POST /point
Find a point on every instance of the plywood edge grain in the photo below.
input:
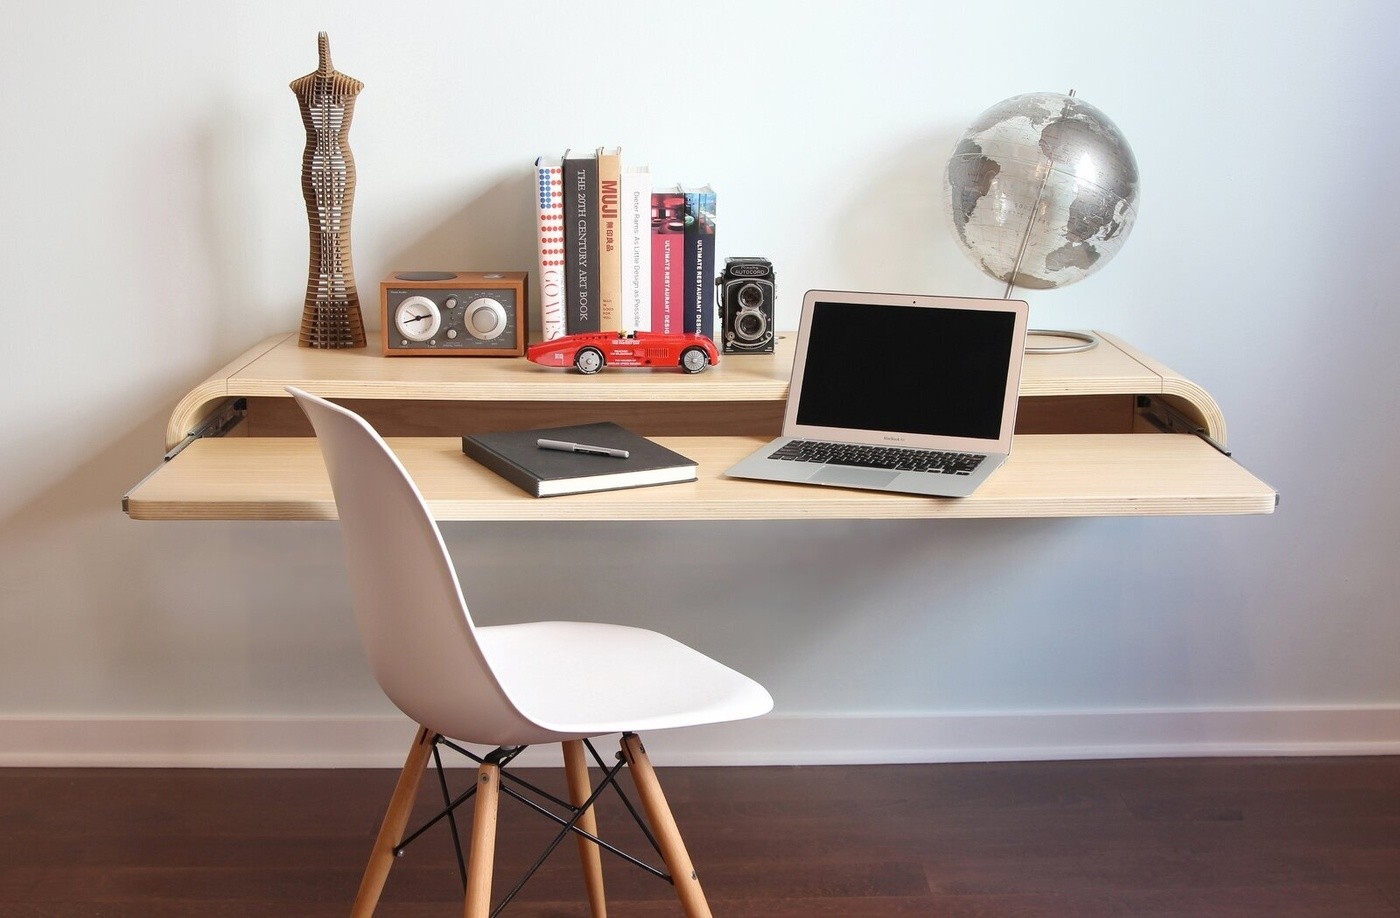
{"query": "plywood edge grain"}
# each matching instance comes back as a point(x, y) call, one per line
point(1196, 402)
point(1107, 369)
point(197, 404)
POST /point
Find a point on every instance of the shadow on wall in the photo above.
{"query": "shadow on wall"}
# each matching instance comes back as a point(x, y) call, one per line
point(826, 615)
point(892, 233)
point(80, 609)
point(102, 614)
point(492, 231)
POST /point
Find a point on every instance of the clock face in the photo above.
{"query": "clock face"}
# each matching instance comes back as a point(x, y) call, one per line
point(418, 318)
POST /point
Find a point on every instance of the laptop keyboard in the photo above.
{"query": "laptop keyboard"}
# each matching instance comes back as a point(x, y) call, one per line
point(896, 458)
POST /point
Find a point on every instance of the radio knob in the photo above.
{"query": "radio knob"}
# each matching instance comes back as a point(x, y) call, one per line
point(486, 318)
point(450, 302)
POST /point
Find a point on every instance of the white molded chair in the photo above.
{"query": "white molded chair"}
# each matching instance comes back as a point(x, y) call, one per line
point(504, 686)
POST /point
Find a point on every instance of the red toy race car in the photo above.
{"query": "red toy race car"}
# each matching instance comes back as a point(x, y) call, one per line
point(591, 351)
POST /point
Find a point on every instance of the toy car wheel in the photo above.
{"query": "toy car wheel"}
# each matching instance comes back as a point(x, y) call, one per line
point(694, 359)
point(589, 360)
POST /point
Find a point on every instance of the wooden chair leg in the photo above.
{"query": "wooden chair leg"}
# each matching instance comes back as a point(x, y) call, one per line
point(663, 825)
point(391, 830)
point(483, 849)
point(576, 770)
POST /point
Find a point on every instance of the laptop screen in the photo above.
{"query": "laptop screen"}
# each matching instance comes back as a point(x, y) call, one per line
point(937, 371)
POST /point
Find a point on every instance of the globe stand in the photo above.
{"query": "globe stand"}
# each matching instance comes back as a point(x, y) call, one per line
point(1084, 341)
point(1087, 342)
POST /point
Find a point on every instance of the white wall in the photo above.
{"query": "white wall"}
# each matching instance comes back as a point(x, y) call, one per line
point(153, 228)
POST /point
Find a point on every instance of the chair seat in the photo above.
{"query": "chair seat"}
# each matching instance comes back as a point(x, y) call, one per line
point(581, 679)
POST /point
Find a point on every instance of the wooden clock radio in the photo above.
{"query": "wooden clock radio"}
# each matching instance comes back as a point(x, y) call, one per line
point(454, 313)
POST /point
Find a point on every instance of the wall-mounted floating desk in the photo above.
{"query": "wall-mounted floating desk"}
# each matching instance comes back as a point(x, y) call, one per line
point(1105, 432)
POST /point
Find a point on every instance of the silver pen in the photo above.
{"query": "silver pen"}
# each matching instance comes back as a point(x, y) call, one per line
point(565, 446)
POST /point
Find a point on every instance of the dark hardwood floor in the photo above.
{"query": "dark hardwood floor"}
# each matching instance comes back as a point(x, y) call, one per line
point(1201, 837)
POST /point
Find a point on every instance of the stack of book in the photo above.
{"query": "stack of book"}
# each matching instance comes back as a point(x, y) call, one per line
point(617, 254)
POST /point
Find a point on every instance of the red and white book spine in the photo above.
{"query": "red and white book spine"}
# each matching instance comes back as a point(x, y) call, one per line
point(549, 231)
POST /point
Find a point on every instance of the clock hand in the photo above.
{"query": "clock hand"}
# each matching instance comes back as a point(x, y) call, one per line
point(418, 318)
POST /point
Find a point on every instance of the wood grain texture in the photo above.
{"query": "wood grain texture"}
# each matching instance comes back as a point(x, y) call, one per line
point(1080, 449)
point(590, 855)
point(197, 404)
point(391, 830)
point(1165, 838)
point(481, 861)
point(1186, 395)
point(280, 417)
point(1112, 368)
point(684, 877)
point(1047, 476)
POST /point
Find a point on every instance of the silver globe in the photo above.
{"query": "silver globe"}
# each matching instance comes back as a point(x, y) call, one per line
point(1042, 190)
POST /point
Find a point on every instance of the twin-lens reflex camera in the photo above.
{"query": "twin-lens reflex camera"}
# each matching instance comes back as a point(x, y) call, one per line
point(746, 305)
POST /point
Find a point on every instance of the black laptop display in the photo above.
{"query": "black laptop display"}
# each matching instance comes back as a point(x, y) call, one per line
point(898, 392)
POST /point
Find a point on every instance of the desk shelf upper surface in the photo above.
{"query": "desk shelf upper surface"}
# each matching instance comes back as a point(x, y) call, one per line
point(264, 370)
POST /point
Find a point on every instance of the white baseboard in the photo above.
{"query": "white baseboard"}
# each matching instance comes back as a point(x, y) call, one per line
point(359, 742)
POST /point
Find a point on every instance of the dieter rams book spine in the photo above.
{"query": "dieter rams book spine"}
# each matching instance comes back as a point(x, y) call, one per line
point(549, 231)
point(610, 239)
point(636, 248)
point(581, 243)
point(667, 261)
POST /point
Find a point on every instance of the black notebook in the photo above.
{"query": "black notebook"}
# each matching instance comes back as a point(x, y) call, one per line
point(517, 456)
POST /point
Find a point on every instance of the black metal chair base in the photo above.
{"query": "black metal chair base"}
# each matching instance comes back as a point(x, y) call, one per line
point(559, 811)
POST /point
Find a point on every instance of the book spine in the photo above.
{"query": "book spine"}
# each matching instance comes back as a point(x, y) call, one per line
point(699, 261)
point(667, 257)
point(549, 228)
point(581, 243)
point(636, 249)
point(502, 466)
point(707, 226)
point(609, 239)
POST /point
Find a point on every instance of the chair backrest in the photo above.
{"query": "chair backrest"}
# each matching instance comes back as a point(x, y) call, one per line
point(413, 621)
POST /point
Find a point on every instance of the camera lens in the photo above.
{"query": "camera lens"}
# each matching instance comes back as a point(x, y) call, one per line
point(750, 296)
point(750, 326)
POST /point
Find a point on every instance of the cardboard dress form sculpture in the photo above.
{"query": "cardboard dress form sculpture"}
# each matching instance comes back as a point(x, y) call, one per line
point(331, 315)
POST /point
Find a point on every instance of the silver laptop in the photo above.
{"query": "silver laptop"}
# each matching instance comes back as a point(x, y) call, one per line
point(890, 392)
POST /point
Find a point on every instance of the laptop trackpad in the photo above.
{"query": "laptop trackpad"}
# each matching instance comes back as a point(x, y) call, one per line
point(852, 477)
